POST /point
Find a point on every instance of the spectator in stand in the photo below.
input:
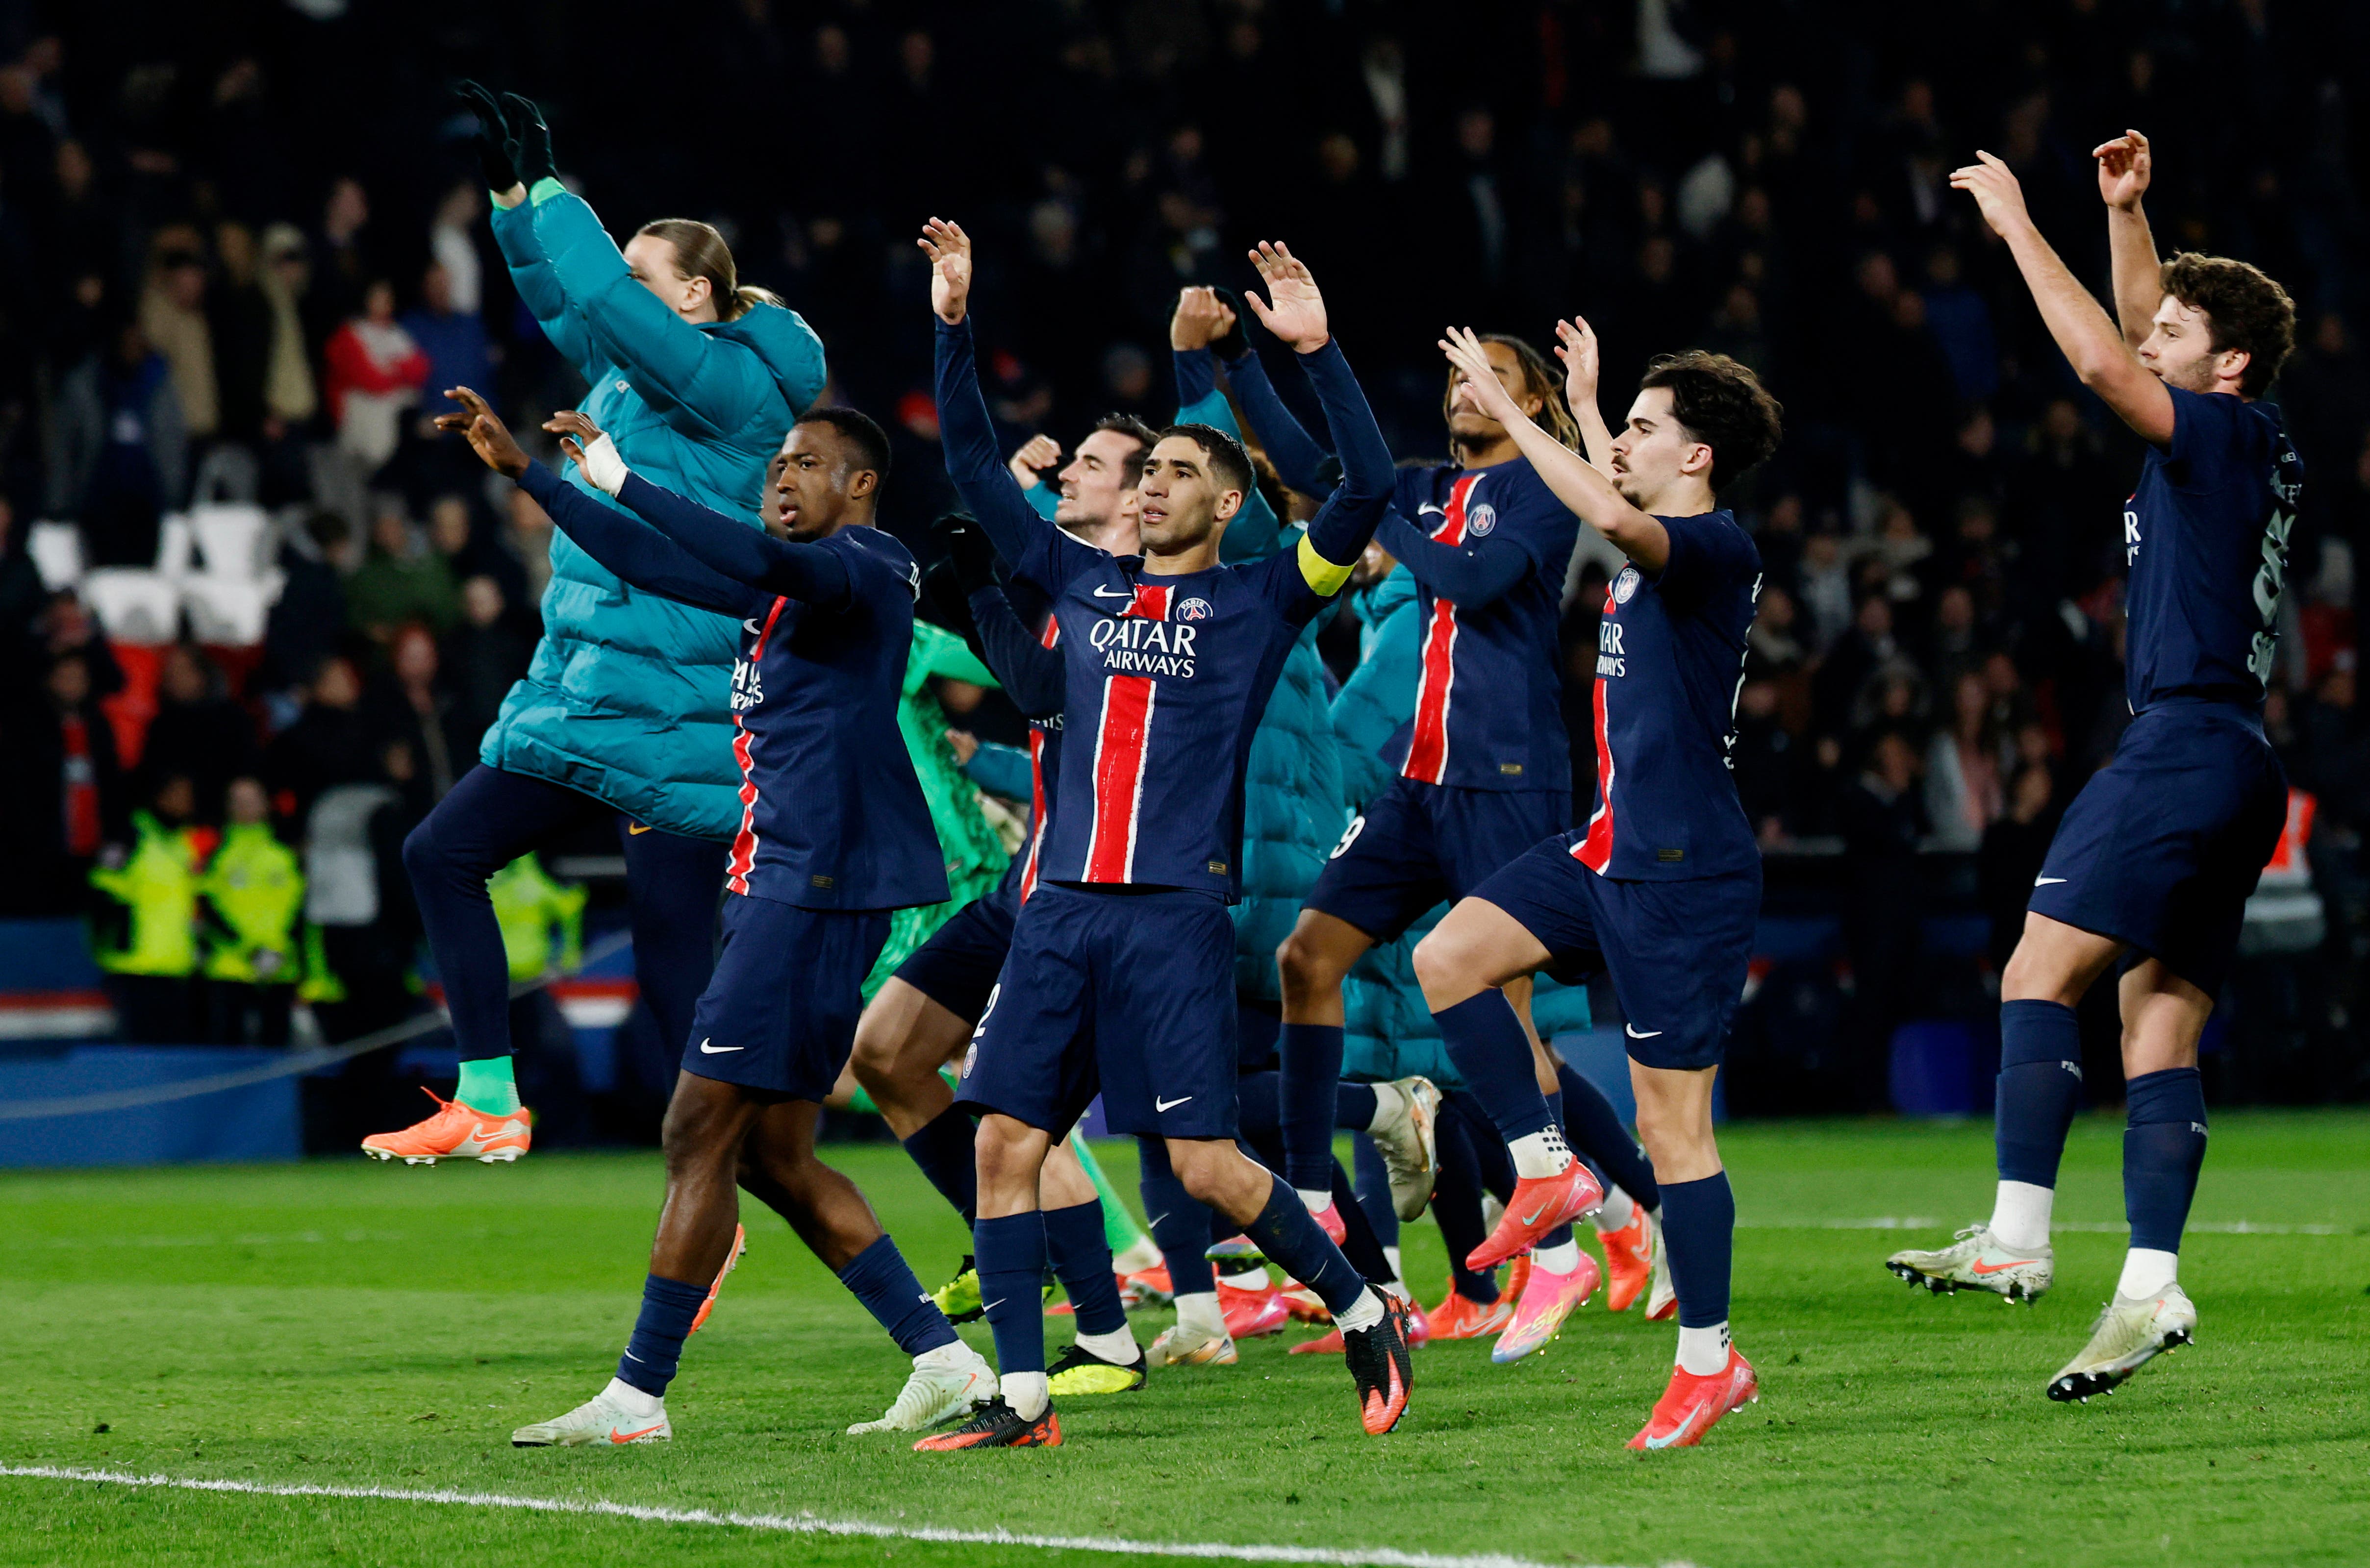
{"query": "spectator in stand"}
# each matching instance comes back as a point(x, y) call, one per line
point(469, 550)
point(239, 327)
point(291, 396)
point(309, 618)
point(1883, 822)
point(1763, 758)
point(145, 924)
point(119, 449)
point(375, 374)
point(481, 658)
point(403, 581)
point(328, 744)
point(61, 795)
point(2014, 845)
point(173, 317)
point(411, 704)
point(1963, 769)
point(22, 598)
point(252, 895)
point(199, 732)
point(526, 535)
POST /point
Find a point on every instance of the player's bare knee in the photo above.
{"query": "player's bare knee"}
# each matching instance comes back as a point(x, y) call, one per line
point(1305, 968)
point(1448, 968)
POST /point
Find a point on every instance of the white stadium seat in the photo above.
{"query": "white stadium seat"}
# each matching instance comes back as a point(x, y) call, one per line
point(133, 604)
point(56, 549)
point(230, 539)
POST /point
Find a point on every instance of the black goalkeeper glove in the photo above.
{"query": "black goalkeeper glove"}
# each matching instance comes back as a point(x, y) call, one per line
point(968, 551)
point(494, 164)
point(530, 139)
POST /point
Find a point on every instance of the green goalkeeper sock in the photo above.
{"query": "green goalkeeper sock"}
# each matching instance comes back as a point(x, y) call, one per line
point(1120, 1228)
point(487, 1086)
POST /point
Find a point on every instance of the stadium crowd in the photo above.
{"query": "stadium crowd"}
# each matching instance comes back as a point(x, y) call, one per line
point(239, 281)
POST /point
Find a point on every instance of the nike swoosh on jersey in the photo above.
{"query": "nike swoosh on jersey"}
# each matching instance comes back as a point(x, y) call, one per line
point(1102, 592)
point(2045, 881)
point(706, 1049)
point(1635, 1032)
point(1429, 507)
point(1159, 1105)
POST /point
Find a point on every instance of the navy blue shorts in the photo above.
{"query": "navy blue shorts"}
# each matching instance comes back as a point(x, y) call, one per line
point(2164, 843)
point(779, 1014)
point(1419, 846)
point(1128, 994)
point(1676, 951)
point(958, 965)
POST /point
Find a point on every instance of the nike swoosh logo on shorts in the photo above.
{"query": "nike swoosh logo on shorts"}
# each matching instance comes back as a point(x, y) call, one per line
point(1159, 1105)
point(2045, 881)
point(706, 1049)
point(1635, 1032)
point(637, 827)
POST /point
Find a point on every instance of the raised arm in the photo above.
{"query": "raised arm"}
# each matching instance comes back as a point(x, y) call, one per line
point(1473, 574)
point(1576, 483)
point(1029, 671)
point(1300, 462)
point(1338, 534)
point(1028, 542)
point(2125, 165)
point(2091, 343)
point(693, 379)
point(1576, 347)
point(501, 154)
point(647, 560)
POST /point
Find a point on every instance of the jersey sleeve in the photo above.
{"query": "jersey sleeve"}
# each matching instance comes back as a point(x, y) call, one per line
point(817, 574)
point(637, 554)
point(1035, 549)
point(880, 571)
point(1706, 552)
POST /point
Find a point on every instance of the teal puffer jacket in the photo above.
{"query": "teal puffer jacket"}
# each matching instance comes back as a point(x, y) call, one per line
point(627, 698)
point(1390, 1032)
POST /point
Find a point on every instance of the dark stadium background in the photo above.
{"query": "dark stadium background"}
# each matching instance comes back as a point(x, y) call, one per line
point(1764, 179)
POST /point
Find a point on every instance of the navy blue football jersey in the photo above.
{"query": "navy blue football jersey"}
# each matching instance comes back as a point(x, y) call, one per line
point(832, 817)
point(1670, 661)
point(2205, 536)
point(1488, 709)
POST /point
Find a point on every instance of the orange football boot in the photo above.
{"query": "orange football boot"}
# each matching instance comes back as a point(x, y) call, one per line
point(996, 1424)
point(455, 1132)
point(1456, 1317)
point(1252, 1315)
point(1691, 1404)
point(1539, 1205)
point(1628, 1261)
point(732, 1262)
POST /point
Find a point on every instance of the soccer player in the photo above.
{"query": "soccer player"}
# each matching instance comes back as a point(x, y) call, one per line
point(1661, 886)
point(834, 835)
point(625, 713)
point(1485, 773)
point(1121, 976)
point(2150, 870)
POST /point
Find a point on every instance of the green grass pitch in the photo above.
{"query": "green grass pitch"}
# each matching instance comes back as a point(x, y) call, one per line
point(342, 1324)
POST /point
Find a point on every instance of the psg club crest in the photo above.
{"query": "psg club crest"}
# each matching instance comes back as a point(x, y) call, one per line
point(1625, 587)
point(1194, 609)
point(1480, 519)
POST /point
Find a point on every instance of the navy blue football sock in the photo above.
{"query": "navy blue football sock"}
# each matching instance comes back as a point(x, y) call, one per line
point(1258, 1102)
point(1456, 1205)
point(1178, 1223)
point(1290, 1237)
point(879, 1277)
point(943, 1149)
point(1374, 1189)
point(2040, 1087)
point(668, 1307)
point(1311, 1054)
point(2164, 1146)
point(1699, 1229)
point(1594, 1129)
point(1353, 1107)
point(1010, 1253)
point(1360, 1245)
point(1485, 1041)
point(1082, 1261)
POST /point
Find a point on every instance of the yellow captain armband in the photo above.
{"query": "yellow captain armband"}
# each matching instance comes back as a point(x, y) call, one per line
point(1321, 574)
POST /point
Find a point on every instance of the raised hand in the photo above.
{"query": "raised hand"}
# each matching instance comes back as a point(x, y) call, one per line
point(494, 164)
point(948, 248)
point(486, 435)
point(2125, 165)
point(1036, 452)
point(1997, 195)
point(1576, 347)
point(1293, 310)
point(1201, 319)
point(530, 139)
point(1479, 387)
point(576, 431)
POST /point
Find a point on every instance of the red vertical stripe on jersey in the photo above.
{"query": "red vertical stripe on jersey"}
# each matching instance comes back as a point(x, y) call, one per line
point(1595, 851)
point(1051, 636)
point(1119, 752)
point(744, 842)
point(1427, 757)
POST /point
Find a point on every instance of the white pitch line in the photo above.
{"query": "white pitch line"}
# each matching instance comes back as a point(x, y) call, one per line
point(806, 1524)
point(2085, 1227)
